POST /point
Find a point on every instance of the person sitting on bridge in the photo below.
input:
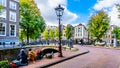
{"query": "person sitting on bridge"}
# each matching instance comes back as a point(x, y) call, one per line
point(31, 55)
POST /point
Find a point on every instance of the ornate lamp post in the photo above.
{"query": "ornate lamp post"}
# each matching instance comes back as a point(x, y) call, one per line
point(59, 12)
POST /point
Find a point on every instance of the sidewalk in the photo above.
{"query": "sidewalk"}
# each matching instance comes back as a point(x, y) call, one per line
point(66, 54)
point(106, 47)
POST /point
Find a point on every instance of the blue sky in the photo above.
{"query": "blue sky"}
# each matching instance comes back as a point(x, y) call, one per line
point(77, 11)
point(81, 8)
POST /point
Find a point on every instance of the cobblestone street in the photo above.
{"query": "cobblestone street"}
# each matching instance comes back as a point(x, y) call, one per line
point(96, 58)
point(45, 61)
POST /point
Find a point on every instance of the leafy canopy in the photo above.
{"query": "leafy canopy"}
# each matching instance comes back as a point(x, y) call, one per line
point(52, 34)
point(118, 7)
point(98, 25)
point(31, 22)
point(1, 7)
point(68, 31)
point(57, 34)
point(117, 32)
point(45, 34)
point(117, 29)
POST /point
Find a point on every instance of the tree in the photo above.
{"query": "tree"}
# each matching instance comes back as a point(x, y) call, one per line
point(31, 22)
point(116, 31)
point(52, 34)
point(22, 36)
point(57, 34)
point(68, 31)
point(68, 34)
point(118, 7)
point(98, 25)
point(1, 7)
point(45, 35)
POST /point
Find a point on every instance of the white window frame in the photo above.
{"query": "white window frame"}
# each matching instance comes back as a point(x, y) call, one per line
point(12, 5)
point(3, 13)
point(16, 0)
point(5, 28)
point(11, 12)
point(3, 3)
point(10, 31)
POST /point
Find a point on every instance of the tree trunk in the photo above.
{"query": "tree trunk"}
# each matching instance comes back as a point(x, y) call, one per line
point(27, 36)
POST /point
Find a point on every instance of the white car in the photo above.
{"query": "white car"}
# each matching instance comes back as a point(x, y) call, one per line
point(100, 43)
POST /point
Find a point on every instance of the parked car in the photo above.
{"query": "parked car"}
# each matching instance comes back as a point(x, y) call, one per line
point(102, 43)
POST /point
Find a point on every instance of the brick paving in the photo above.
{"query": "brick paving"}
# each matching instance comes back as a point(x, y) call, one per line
point(96, 58)
point(46, 61)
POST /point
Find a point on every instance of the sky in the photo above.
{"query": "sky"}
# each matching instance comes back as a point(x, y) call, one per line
point(77, 11)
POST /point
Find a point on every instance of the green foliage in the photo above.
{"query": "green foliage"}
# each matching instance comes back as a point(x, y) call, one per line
point(31, 22)
point(52, 34)
point(117, 29)
point(22, 36)
point(117, 32)
point(5, 64)
point(57, 34)
point(68, 31)
point(45, 34)
point(1, 7)
point(98, 25)
point(118, 7)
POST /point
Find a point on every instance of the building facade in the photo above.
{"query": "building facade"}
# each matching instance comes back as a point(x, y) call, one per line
point(9, 22)
point(80, 32)
point(109, 37)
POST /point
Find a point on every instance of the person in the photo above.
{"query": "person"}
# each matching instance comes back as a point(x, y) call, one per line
point(24, 57)
point(37, 54)
point(21, 58)
point(31, 55)
point(41, 54)
point(81, 41)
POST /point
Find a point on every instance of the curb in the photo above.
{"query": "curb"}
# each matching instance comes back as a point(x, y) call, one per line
point(64, 59)
point(104, 47)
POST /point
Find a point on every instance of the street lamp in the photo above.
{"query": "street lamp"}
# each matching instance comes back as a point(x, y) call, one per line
point(114, 40)
point(59, 12)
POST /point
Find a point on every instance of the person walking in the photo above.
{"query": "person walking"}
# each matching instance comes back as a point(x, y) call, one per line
point(31, 55)
point(81, 41)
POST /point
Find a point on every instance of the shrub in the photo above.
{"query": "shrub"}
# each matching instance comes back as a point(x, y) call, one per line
point(5, 64)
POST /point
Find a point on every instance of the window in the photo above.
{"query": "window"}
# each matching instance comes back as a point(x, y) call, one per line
point(13, 5)
point(76, 34)
point(16, 0)
point(2, 29)
point(12, 16)
point(0, 43)
point(12, 30)
point(80, 34)
point(2, 15)
point(3, 2)
point(75, 29)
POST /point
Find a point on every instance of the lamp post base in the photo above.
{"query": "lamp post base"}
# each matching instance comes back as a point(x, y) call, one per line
point(60, 51)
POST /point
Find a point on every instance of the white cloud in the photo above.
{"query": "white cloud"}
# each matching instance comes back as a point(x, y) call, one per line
point(48, 13)
point(101, 4)
point(114, 16)
point(110, 8)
